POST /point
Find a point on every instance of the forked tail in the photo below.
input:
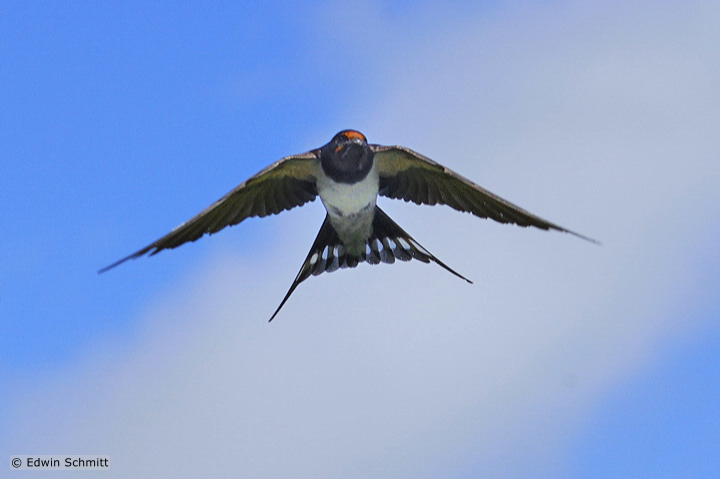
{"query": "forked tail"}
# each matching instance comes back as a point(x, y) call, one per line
point(387, 243)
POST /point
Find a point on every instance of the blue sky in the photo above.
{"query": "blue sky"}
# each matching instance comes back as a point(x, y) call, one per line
point(564, 359)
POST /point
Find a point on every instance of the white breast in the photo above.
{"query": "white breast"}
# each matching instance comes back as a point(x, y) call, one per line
point(342, 199)
point(351, 207)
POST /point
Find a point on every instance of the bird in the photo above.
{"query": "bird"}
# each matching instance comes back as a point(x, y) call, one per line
point(348, 174)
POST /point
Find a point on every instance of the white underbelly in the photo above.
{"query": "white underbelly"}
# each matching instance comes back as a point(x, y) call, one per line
point(351, 208)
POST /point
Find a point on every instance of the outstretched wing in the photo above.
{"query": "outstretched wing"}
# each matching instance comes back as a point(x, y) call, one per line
point(387, 243)
point(287, 183)
point(411, 176)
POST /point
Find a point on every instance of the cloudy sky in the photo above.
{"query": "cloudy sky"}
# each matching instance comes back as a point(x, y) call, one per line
point(563, 359)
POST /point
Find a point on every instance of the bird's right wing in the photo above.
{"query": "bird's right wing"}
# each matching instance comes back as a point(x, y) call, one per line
point(285, 184)
point(411, 176)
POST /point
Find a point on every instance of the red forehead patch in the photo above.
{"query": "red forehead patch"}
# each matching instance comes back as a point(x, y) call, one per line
point(352, 134)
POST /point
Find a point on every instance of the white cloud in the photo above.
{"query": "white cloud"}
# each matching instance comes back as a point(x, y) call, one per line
point(601, 120)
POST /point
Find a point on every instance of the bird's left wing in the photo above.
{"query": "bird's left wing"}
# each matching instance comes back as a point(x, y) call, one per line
point(411, 176)
point(287, 183)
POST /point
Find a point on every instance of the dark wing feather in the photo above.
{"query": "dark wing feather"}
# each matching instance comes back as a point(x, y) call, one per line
point(408, 175)
point(285, 184)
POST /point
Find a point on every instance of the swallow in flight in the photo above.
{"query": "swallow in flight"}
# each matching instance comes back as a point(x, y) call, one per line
point(348, 174)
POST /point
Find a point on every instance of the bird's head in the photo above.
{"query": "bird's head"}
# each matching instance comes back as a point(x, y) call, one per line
point(347, 158)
